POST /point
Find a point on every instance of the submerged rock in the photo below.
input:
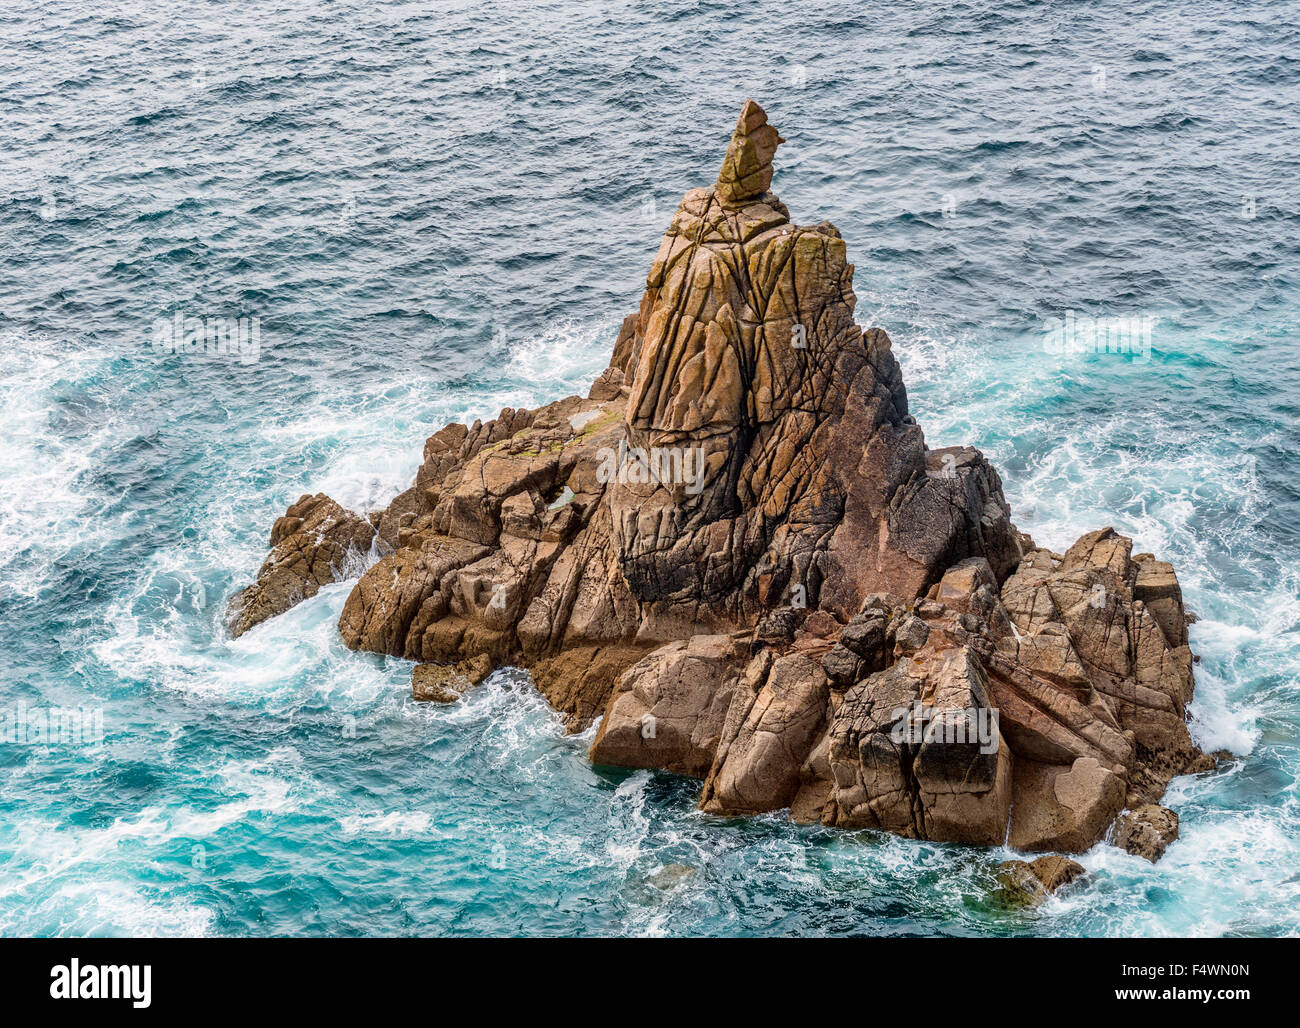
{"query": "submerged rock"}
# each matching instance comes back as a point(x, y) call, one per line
point(739, 550)
point(670, 876)
point(652, 888)
point(1022, 884)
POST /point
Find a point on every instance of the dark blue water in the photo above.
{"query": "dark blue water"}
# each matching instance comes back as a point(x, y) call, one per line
point(436, 210)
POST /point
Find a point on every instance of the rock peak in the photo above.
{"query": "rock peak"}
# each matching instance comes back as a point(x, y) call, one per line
point(747, 168)
point(740, 534)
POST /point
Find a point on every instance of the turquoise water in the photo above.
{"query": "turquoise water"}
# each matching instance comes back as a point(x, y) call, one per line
point(437, 210)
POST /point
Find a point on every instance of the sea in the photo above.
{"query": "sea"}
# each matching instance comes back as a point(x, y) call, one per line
point(417, 213)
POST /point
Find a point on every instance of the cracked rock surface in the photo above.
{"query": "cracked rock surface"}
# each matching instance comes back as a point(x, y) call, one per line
point(739, 550)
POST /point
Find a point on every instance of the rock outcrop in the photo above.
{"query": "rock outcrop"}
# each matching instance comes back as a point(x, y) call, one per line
point(739, 550)
point(316, 542)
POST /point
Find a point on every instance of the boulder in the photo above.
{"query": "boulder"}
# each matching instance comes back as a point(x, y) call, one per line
point(437, 683)
point(668, 709)
point(776, 715)
point(843, 667)
point(746, 170)
point(915, 749)
point(476, 668)
point(1147, 831)
point(1022, 884)
point(1065, 809)
point(865, 635)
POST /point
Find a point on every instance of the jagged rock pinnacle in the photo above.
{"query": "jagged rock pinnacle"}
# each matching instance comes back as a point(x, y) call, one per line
point(747, 169)
point(741, 536)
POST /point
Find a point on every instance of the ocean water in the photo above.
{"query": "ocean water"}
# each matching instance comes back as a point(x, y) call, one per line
point(438, 209)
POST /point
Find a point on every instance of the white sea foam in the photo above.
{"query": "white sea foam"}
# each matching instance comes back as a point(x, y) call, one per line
point(285, 662)
point(47, 850)
point(117, 908)
point(564, 358)
point(516, 728)
point(629, 822)
point(45, 506)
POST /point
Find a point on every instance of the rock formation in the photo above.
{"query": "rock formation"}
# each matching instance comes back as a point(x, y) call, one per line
point(316, 542)
point(739, 550)
point(439, 683)
point(1147, 831)
point(1023, 884)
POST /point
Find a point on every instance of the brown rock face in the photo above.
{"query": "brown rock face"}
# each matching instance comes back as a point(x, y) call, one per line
point(740, 551)
point(668, 710)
